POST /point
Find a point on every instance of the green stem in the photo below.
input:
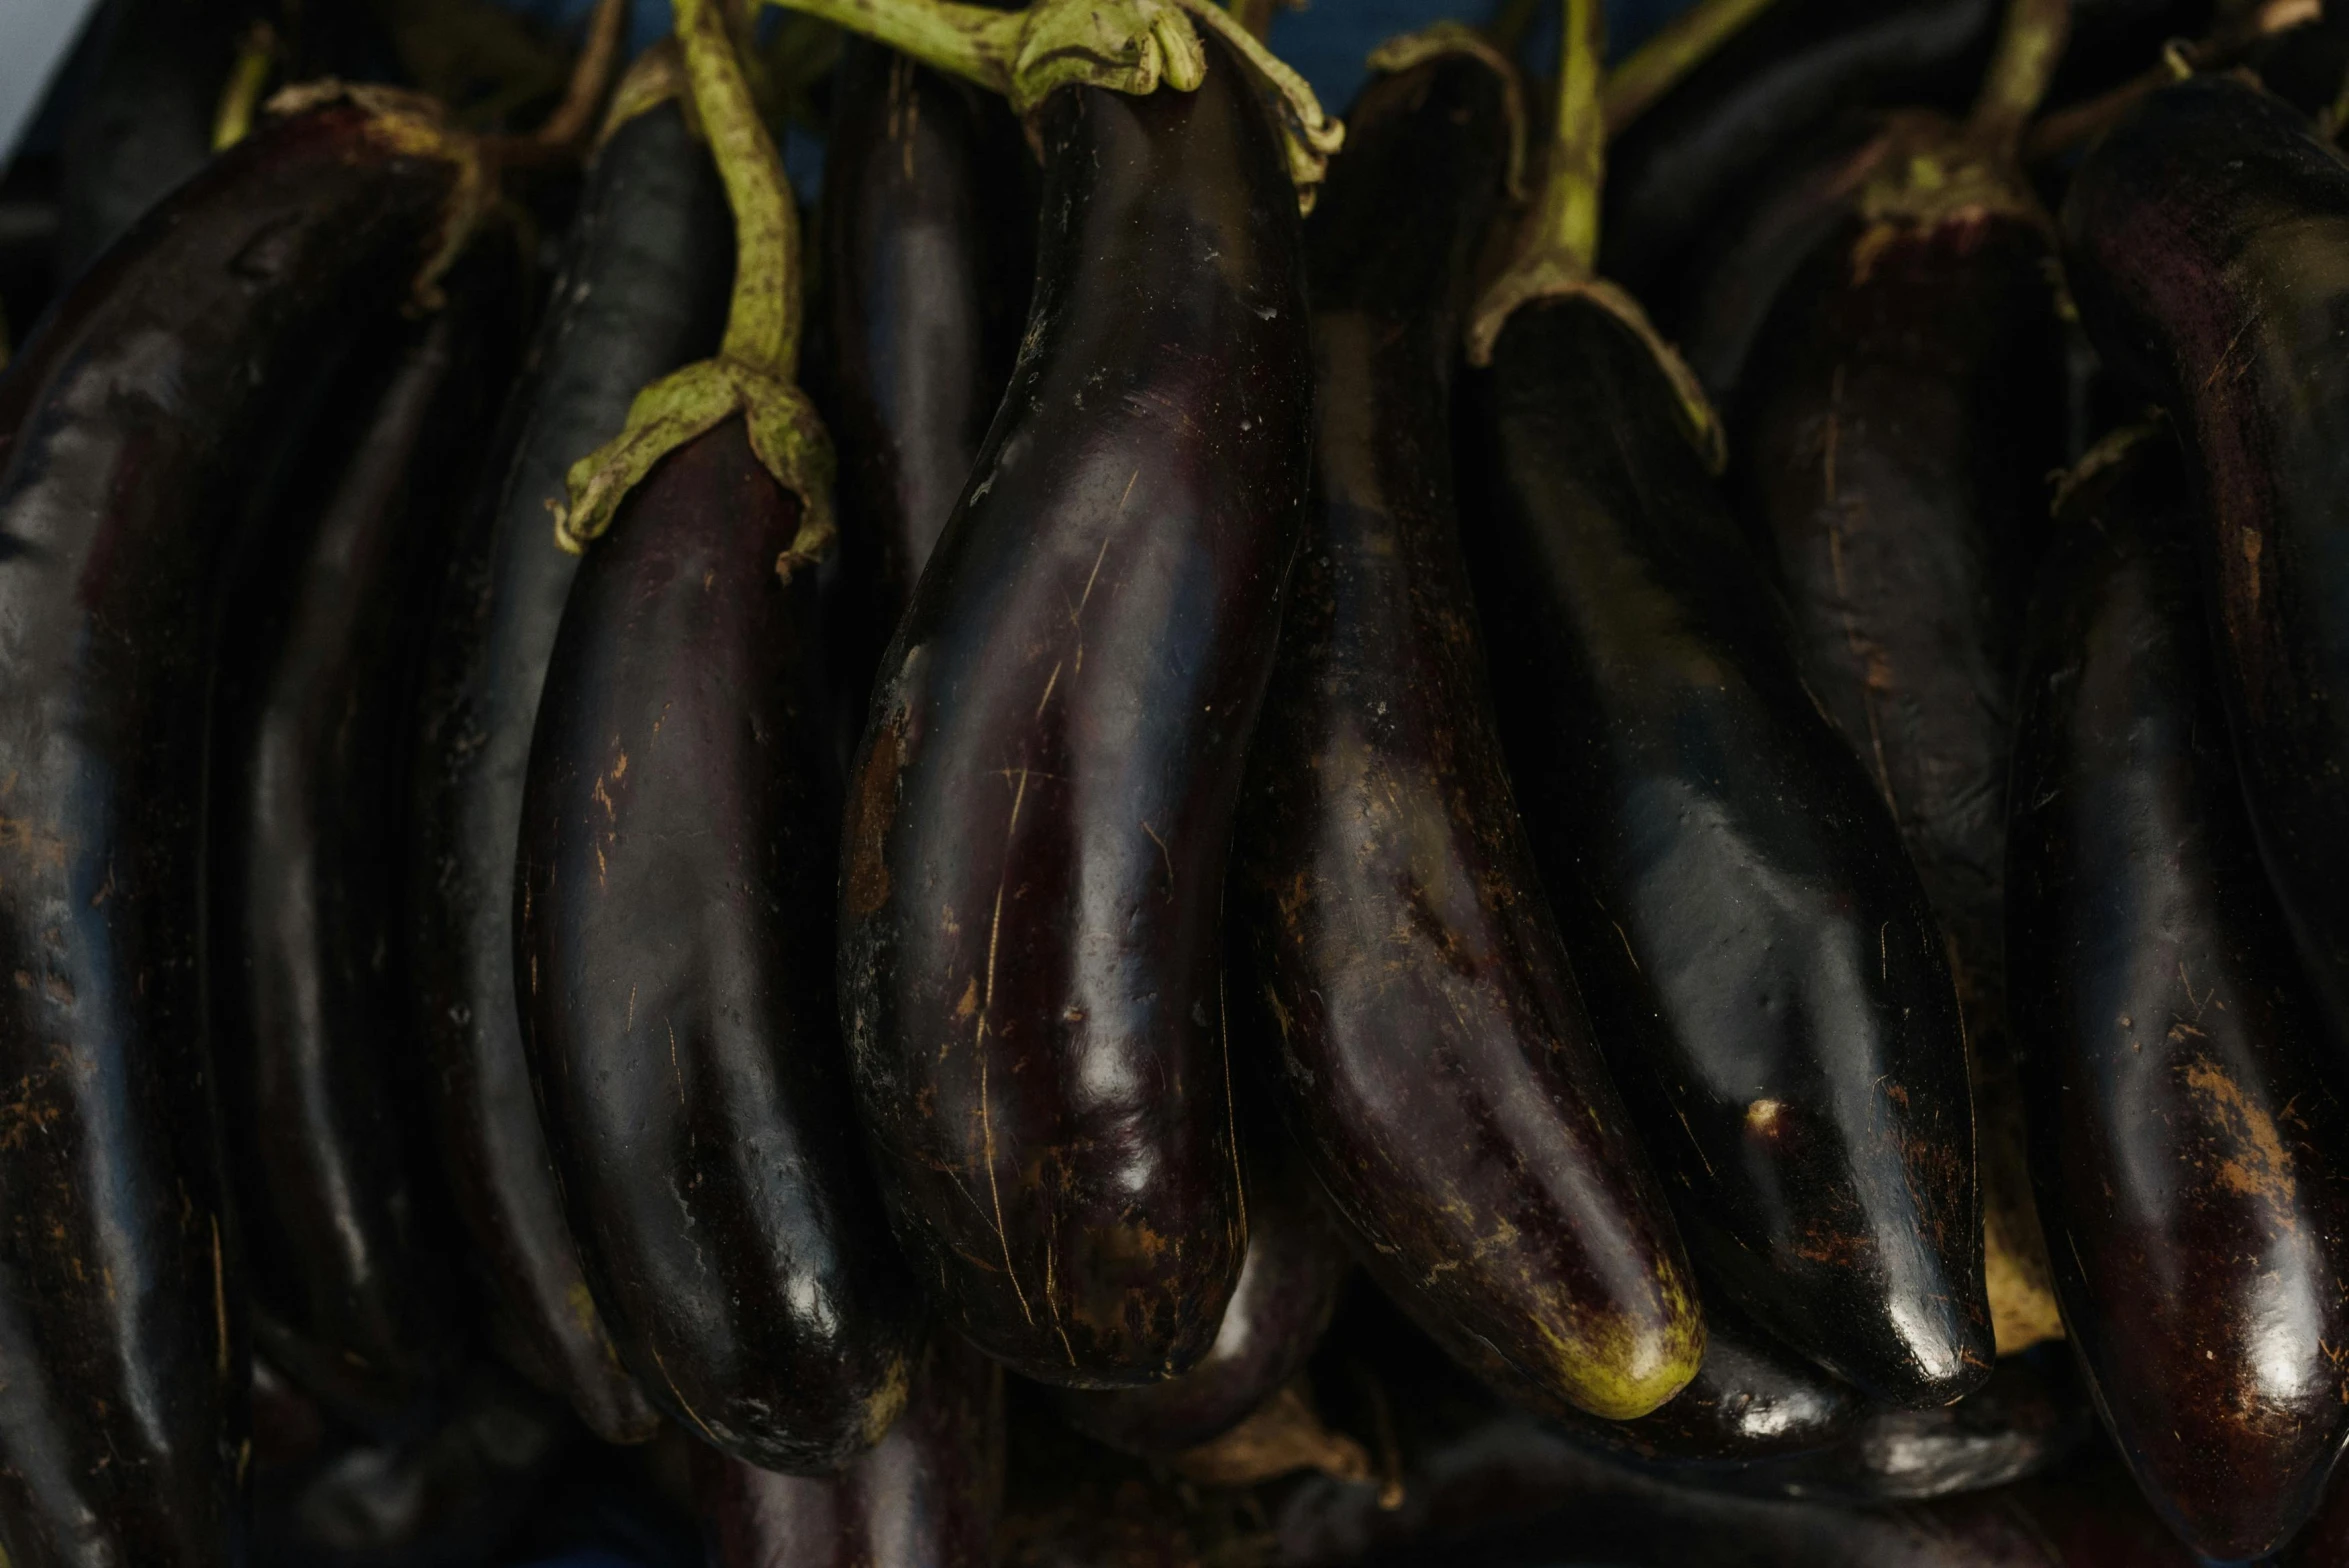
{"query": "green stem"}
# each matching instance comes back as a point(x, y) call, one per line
point(1659, 65)
point(762, 321)
point(1566, 226)
point(2030, 46)
point(975, 42)
point(256, 56)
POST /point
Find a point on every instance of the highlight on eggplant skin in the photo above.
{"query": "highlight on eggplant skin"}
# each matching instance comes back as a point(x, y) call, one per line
point(343, 1239)
point(2188, 1149)
point(1032, 883)
point(142, 421)
point(1757, 954)
point(928, 1495)
point(679, 805)
point(2204, 238)
point(1414, 1009)
point(642, 292)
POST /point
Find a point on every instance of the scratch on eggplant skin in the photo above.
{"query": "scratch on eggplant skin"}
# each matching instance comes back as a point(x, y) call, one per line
point(2258, 1165)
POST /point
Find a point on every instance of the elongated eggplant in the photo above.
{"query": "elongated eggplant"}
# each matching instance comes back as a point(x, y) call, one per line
point(642, 291)
point(311, 687)
point(1424, 1034)
point(143, 124)
point(1902, 410)
point(678, 815)
point(926, 261)
point(1759, 959)
point(2205, 238)
point(137, 433)
point(927, 1496)
point(1297, 1263)
point(1030, 940)
point(2186, 1145)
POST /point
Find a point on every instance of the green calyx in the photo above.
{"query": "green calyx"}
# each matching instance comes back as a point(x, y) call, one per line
point(1127, 46)
point(753, 373)
point(1405, 50)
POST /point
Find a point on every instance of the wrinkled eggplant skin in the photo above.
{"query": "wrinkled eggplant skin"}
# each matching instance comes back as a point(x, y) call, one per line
point(680, 802)
point(2207, 242)
point(1296, 1266)
point(1894, 434)
point(311, 689)
point(1417, 1014)
point(144, 122)
point(1755, 948)
point(927, 256)
point(2187, 1148)
point(1032, 892)
point(928, 1495)
point(135, 432)
point(642, 291)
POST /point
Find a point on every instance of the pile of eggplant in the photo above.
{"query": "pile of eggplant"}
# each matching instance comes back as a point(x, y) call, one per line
point(1603, 813)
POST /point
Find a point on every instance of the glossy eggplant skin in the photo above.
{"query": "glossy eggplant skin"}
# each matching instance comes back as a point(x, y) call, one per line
point(928, 1495)
point(680, 804)
point(2207, 241)
point(2188, 1151)
point(1297, 1264)
point(642, 291)
point(1419, 1020)
point(1030, 940)
point(136, 432)
point(1894, 432)
point(345, 1247)
point(1757, 954)
point(927, 255)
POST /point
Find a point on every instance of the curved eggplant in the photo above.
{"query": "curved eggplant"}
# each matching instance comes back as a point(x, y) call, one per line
point(1031, 901)
point(1759, 959)
point(316, 663)
point(927, 1496)
point(2187, 1148)
point(678, 803)
point(143, 124)
point(2207, 240)
point(137, 433)
point(642, 291)
point(1903, 407)
point(926, 260)
point(1425, 1037)
point(1297, 1264)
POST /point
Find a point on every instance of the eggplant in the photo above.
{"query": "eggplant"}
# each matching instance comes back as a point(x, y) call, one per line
point(928, 1496)
point(1422, 1029)
point(311, 683)
point(2185, 1141)
point(1903, 406)
point(1758, 957)
point(139, 433)
point(2202, 238)
point(926, 234)
point(678, 814)
point(1031, 896)
point(1296, 1266)
point(143, 123)
point(642, 291)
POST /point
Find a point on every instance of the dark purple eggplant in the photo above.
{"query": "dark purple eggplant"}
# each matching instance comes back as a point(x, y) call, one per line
point(926, 237)
point(343, 1246)
point(1422, 1030)
point(679, 813)
point(1297, 1264)
point(2188, 1150)
point(139, 434)
point(1894, 431)
point(2207, 240)
point(642, 292)
point(1758, 956)
point(927, 1496)
point(1030, 943)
